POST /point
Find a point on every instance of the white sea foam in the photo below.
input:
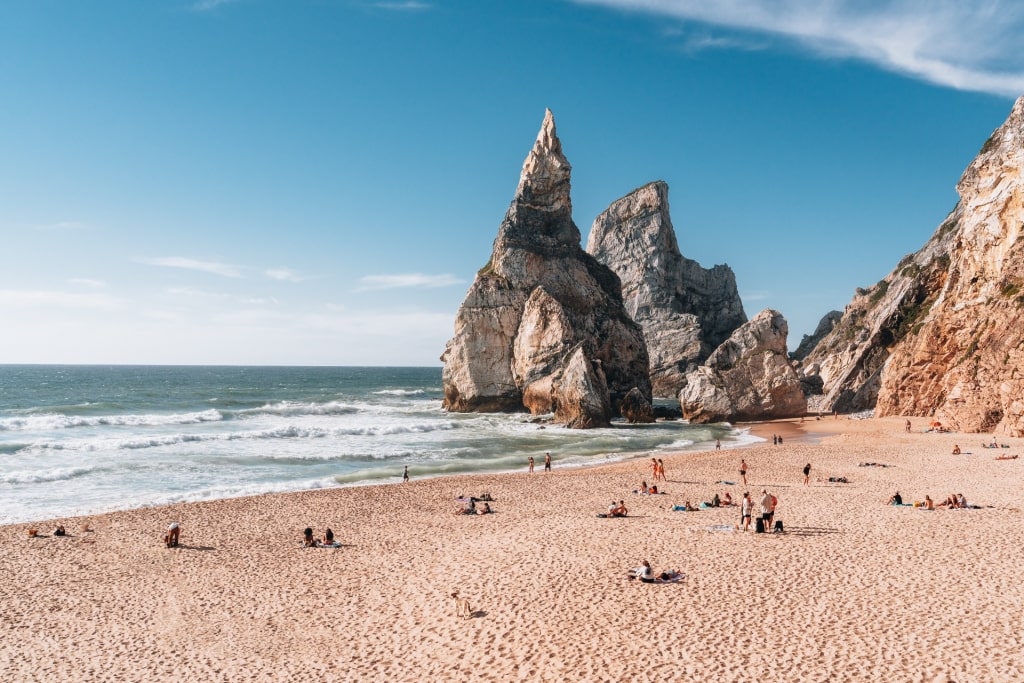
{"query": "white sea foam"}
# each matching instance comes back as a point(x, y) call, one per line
point(290, 408)
point(44, 422)
point(38, 477)
point(399, 392)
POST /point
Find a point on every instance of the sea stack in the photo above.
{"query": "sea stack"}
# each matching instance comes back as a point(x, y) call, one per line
point(942, 335)
point(686, 311)
point(543, 325)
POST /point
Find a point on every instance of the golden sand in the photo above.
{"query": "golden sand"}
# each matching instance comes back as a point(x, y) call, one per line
point(855, 590)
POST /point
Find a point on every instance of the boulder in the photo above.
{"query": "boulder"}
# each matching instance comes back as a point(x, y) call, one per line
point(748, 377)
point(636, 409)
point(581, 393)
point(538, 301)
point(685, 310)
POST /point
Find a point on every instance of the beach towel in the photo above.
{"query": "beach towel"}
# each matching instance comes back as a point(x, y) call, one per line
point(721, 528)
point(727, 483)
point(674, 577)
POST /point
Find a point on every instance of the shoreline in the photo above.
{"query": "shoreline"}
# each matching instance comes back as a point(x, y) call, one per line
point(854, 590)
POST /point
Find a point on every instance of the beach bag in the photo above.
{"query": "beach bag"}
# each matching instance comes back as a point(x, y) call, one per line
point(759, 526)
point(778, 526)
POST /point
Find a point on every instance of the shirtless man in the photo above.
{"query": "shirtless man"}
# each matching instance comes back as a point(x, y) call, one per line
point(743, 470)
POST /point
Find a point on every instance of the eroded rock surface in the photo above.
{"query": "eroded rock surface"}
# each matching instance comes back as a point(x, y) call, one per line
point(942, 334)
point(542, 307)
point(748, 377)
point(685, 310)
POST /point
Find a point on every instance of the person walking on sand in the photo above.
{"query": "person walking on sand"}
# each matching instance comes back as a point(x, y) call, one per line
point(743, 470)
point(531, 464)
point(807, 473)
point(718, 445)
point(547, 462)
point(654, 469)
point(661, 470)
point(405, 475)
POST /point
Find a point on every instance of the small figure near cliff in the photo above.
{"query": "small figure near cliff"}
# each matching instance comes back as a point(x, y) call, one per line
point(908, 426)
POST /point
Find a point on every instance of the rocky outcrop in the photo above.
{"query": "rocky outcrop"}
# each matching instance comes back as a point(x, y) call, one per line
point(748, 377)
point(543, 321)
point(809, 341)
point(685, 310)
point(636, 409)
point(941, 335)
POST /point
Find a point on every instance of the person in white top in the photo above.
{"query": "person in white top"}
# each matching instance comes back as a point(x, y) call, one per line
point(766, 508)
point(745, 506)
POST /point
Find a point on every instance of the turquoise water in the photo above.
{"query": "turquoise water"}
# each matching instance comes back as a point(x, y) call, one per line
point(87, 439)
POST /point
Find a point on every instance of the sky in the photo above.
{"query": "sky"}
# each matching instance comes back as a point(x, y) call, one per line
point(317, 182)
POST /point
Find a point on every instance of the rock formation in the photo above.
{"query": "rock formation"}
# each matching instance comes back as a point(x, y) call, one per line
point(941, 335)
point(543, 326)
point(685, 310)
point(748, 377)
point(809, 341)
point(636, 409)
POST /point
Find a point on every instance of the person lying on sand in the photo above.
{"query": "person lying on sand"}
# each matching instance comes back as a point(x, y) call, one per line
point(328, 537)
point(872, 464)
point(643, 572)
point(685, 507)
point(484, 509)
point(616, 509)
point(1006, 457)
point(59, 531)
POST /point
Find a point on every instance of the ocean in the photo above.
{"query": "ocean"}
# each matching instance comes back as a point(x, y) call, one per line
point(78, 440)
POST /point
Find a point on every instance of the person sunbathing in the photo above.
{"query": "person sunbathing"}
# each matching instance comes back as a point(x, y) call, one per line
point(620, 510)
point(896, 499)
point(328, 537)
point(727, 499)
point(929, 504)
point(643, 572)
point(956, 449)
point(307, 538)
point(1007, 457)
point(484, 509)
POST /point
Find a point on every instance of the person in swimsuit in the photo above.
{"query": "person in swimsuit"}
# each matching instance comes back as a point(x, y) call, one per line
point(531, 464)
point(307, 538)
point(743, 470)
point(745, 511)
point(547, 462)
point(328, 537)
point(807, 473)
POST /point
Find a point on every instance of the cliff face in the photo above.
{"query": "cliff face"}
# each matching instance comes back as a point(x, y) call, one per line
point(748, 377)
point(685, 310)
point(941, 335)
point(539, 303)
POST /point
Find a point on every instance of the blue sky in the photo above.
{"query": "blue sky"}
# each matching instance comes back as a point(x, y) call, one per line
point(318, 181)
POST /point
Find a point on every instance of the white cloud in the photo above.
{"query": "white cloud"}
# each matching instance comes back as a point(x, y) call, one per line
point(222, 269)
point(370, 282)
point(39, 298)
point(964, 45)
point(284, 275)
point(88, 282)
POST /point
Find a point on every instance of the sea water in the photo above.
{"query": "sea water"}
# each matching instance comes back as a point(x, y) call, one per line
point(78, 440)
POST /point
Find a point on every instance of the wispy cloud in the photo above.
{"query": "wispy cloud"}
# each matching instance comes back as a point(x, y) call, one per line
point(37, 298)
point(88, 282)
point(402, 5)
point(222, 269)
point(964, 45)
point(407, 280)
point(284, 275)
point(208, 5)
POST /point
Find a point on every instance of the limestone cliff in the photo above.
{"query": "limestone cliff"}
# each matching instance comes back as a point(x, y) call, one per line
point(543, 319)
point(941, 335)
point(685, 310)
point(748, 377)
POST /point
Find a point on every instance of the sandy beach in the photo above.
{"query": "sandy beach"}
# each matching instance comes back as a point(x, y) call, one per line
point(854, 590)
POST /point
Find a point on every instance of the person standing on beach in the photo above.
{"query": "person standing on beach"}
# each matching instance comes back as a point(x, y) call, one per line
point(547, 462)
point(908, 426)
point(405, 475)
point(745, 506)
point(661, 470)
point(743, 470)
point(718, 445)
point(654, 469)
point(531, 464)
point(766, 509)
point(807, 473)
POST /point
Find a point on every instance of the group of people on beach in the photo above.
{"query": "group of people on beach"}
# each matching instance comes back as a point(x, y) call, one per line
point(310, 541)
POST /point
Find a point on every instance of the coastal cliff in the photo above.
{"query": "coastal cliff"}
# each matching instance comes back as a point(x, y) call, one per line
point(543, 326)
point(685, 310)
point(942, 334)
